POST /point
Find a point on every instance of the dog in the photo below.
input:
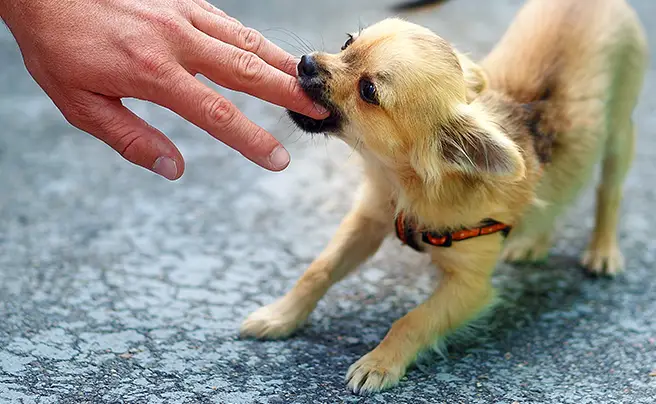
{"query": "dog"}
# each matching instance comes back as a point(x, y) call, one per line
point(469, 162)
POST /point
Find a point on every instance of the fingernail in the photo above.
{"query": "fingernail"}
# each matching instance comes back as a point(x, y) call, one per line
point(279, 158)
point(320, 109)
point(166, 167)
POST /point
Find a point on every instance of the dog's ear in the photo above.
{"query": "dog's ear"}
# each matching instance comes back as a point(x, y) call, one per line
point(469, 143)
point(475, 77)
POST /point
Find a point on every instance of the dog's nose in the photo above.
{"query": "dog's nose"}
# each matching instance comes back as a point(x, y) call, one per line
point(307, 67)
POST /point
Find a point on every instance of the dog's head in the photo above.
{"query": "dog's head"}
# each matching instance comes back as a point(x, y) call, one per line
point(402, 94)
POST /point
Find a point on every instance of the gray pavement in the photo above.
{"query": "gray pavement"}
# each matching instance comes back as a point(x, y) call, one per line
point(118, 286)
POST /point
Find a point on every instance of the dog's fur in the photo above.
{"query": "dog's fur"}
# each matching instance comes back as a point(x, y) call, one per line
point(452, 142)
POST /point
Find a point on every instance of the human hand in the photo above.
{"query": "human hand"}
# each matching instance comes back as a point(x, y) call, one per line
point(88, 55)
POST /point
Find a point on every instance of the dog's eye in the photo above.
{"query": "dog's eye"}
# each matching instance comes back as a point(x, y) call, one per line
point(368, 92)
point(348, 42)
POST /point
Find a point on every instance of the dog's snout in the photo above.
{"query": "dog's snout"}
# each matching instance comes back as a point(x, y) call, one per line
point(307, 67)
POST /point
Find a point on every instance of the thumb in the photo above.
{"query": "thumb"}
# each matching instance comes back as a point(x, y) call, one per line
point(108, 120)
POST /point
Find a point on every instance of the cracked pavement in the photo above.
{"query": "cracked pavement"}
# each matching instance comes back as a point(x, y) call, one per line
point(118, 286)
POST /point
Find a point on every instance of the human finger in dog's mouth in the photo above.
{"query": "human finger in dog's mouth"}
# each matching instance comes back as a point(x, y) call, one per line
point(312, 79)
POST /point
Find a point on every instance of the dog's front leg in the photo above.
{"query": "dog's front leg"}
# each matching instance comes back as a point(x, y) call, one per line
point(463, 292)
point(358, 237)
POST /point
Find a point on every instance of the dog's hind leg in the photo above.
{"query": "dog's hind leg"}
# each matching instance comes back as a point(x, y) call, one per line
point(603, 254)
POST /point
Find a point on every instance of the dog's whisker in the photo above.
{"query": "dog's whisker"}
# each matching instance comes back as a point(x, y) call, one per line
point(303, 46)
point(295, 47)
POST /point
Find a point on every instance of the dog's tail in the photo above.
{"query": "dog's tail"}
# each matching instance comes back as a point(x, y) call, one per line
point(412, 5)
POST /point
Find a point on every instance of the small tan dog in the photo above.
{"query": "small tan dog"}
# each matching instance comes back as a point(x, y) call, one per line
point(455, 154)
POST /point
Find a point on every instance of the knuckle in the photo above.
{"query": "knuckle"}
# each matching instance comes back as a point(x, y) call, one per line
point(219, 110)
point(80, 114)
point(126, 139)
point(128, 143)
point(251, 39)
point(167, 22)
point(111, 129)
point(290, 64)
point(249, 67)
point(156, 65)
point(89, 115)
point(74, 118)
point(163, 69)
point(146, 63)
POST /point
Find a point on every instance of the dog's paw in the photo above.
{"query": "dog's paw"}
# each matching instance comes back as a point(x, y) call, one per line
point(535, 250)
point(276, 321)
point(373, 373)
point(603, 261)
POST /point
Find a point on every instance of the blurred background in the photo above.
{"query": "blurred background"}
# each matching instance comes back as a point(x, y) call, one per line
point(119, 286)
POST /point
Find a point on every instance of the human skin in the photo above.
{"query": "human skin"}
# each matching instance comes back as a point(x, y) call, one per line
point(87, 56)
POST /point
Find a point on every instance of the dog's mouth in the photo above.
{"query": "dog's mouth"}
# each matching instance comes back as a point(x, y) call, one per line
point(315, 88)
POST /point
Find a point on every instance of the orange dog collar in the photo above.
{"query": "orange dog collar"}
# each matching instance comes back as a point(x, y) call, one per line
point(406, 231)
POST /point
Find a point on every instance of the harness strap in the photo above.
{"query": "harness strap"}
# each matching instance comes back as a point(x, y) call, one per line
point(406, 231)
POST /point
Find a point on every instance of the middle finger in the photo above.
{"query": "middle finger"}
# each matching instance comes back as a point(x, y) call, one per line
point(243, 71)
point(248, 39)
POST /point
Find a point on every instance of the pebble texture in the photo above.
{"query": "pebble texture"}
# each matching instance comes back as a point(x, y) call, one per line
point(118, 286)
